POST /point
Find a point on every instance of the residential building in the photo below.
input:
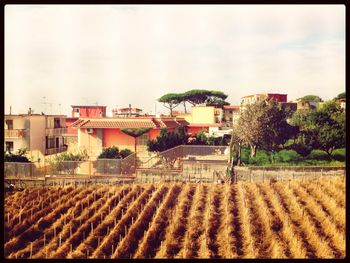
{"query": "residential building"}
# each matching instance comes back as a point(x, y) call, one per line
point(43, 133)
point(127, 112)
point(250, 99)
point(94, 134)
point(307, 104)
point(81, 111)
point(231, 114)
point(202, 117)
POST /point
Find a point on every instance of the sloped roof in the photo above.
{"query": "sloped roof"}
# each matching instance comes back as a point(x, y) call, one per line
point(231, 107)
point(205, 125)
point(132, 123)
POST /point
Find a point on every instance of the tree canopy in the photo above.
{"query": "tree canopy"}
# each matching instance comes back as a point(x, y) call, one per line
point(171, 101)
point(263, 124)
point(167, 140)
point(322, 129)
point(312, 98)
point(341, 96)
point(193, 97)
point(135, 132)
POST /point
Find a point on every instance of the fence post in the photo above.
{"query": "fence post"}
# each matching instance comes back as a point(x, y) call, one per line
point(263, 174)
point(250, 174)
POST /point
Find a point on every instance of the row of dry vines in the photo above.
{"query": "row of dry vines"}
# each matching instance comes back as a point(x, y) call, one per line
point(293, 219)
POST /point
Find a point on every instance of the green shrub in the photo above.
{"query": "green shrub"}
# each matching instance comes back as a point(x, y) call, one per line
point(287, 156)
point(318, 155)
point(16, 157)
point(110, 153)
point(302, 149)
point(339, 154)
point(112, 166)
point(67, 163)
point(262, 158)
point(125, 153)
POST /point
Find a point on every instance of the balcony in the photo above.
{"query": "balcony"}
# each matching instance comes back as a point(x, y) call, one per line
point(55, 150)
point(55, 131)
point(15, 133)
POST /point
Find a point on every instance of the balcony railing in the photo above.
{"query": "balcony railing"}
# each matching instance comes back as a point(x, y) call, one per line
point(55, 131)
point(55, 150)
point(16, 133)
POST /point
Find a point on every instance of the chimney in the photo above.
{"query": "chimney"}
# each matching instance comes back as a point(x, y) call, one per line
point(130, 109)
point(10, 110)
point(30, 111)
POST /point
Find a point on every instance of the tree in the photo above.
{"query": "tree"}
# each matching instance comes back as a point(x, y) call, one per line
point(263, 124)
point(171, 101)
point(329, 123)
point(167, 140)
point(197, 96)
point(312, 98)
point(322, 129)
point(341, 96)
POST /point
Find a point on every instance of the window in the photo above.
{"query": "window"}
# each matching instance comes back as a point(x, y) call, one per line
point(9, 146)
point(50, 142)
point(76, 110)
point(143, 139)
point(9, 124)
point(57, 123)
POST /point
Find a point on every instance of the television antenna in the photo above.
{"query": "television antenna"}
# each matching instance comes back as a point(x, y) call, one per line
point(47, 103)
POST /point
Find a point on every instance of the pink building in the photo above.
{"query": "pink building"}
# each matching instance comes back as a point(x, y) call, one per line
point(82, 111)
point(94, 134)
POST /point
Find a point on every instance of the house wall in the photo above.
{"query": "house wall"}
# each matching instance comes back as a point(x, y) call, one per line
point(203, 114)
point(194, 130)
point(18, 122)
point(71, 130)
point(37, 133)
point(153, 134)
point(89, 112)
point(278, 97)
point(187, 117)
point(118, 138)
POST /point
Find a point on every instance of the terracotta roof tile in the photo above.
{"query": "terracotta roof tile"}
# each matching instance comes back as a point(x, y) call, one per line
point(133, 123)
point(205, 125)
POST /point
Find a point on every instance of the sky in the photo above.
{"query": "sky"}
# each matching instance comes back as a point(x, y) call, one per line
point(116, 55)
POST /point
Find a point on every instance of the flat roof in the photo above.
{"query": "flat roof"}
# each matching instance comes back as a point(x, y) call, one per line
point(264, 94)
point(88, 106)
point(36, 115)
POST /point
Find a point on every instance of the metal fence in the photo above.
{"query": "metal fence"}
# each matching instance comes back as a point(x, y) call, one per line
point(126, 166)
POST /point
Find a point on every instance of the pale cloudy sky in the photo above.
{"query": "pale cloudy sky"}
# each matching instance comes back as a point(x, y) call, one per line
point(121, 54)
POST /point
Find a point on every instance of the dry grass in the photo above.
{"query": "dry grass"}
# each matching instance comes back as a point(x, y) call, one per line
point(176, 220)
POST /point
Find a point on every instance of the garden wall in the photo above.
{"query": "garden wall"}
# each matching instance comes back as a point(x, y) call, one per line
point(266, 173)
